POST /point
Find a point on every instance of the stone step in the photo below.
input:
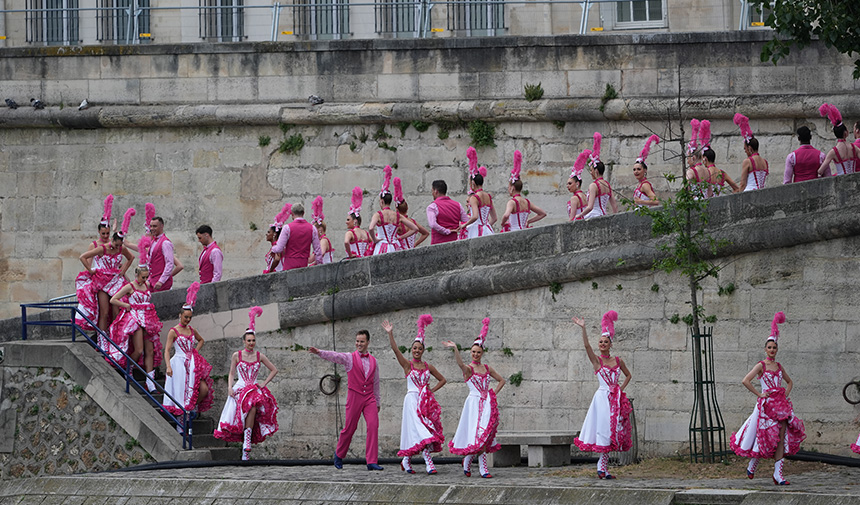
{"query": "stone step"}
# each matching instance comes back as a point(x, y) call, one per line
point(226, 453)
point(207, 441)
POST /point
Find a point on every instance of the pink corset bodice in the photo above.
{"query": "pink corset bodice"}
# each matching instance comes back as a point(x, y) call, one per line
point(248, 370)
point(184, 343)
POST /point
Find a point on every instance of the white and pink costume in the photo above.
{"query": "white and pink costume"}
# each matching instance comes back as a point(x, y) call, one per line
point(140, 315)
point(601, 199)
point(482, 227)
point(278, 225)
point(843, 166)
point(757, 176)
point(249, 394)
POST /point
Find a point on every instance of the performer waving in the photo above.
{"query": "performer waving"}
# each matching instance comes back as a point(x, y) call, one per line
point(421, 427)
point(479, 421)
point(606, 427)
point(188, 380)
point(250, 413)
point(772, 430)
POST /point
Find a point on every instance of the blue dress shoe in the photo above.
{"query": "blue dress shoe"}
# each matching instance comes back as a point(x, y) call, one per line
point(374, 466)
point(338, 462)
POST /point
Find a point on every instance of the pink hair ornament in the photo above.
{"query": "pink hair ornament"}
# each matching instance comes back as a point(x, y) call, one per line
point(607, 324)
point(579, 164)
point(482, 337)
point(518, 166)
point(743, 123)
point(107, 210)
point(482, 171)
point(694, 136)
point(472, 155)
point(595, 149)
point(143, 249)
point(398, 191)
point(778, 319)
point(282, 216)
point(705, 134)
point(191, 296)
point(423, 321)
point(653, 139)
point(317, 216)
point(253, 314)
point(355, 203)
point(386, 181)
point(149, 214)
point(832, 113)
point(126, 222)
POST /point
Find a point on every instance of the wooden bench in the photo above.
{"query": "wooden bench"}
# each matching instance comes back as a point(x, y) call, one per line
point(545, 449)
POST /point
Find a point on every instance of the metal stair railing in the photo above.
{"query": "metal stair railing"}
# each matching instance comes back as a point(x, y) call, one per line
point(127, 371)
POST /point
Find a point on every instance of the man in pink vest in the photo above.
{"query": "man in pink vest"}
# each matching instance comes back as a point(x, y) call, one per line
point(445, 216)
point(211, 259)
point(161, 261)
point(362, 398)
point(802, 163)
point(296, 239)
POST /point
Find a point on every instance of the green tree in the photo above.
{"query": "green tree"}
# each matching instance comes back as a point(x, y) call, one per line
point(798, 22)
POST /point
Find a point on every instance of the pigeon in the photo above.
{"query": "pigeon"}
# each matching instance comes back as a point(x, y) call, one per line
point(37, 104)
point(11, 103)
point(84, 105)
point(315, 100)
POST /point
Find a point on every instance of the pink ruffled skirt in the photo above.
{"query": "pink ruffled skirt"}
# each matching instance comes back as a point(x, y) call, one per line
point(231, 426)
point(189, 370)
point(124, 327)
point(87, 287)
point(479, 422)
point(606, 427)
point(421, 425)
point(759, 435)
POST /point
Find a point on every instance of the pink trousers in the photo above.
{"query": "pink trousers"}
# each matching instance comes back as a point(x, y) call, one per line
point(356, 405)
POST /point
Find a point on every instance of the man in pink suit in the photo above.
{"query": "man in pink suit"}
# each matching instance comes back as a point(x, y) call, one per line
point(211, 260)
point(161, 261)
point(445, 216)
point(362, 398)
point(296, 239)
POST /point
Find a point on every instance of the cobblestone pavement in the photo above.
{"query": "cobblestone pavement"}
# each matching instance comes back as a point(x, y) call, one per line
point(836, 480)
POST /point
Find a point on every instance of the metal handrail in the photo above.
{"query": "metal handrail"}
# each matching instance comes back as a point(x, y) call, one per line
point(126, 370)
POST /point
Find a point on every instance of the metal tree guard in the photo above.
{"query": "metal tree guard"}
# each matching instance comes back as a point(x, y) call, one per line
point(707, 430)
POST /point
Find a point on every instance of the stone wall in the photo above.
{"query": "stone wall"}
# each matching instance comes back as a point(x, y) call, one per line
point(52, 427)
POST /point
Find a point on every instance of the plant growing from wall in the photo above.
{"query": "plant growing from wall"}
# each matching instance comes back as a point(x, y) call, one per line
point(292, 144)
point(516, 379)
point(608, 94)
point(482, 133)
point(533, 92)
point(420, 126)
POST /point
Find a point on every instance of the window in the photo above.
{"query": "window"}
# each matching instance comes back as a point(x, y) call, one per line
point(639, 14)
point(476, 18)
point(402, 17)
point(321, 19)
point(758, 15)
point(122, 21)
point(53, 22)
point(222, 20)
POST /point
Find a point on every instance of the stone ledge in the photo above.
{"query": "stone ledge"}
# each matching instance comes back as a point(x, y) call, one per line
point(514, 110)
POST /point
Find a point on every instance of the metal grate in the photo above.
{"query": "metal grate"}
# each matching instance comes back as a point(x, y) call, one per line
point(402, 17)
point(122, 21)
point(53, 22)
point(222, 20)
point(476, 18)
point(321, 19)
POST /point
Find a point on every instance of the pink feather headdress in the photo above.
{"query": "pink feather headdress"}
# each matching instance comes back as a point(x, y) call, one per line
point(253, 314)
point(107, 211)
point(832, 113)
point(607, 324)
point(693, 145)
point(149, 214)
point(143, 250)
point(191, 296)
point(317, 216)
point(595, 149)
point(743, 123)
point(518, 166)
point(483, 171)
point(778, 319)
point(423, 322)
point(653, 139)
point(705, 134)
point(579, 164)
point(386, 181)
point(126, 222)
point(355, 203)
point(472, 155)
point(482, 337)
point(282, 216)
point(398, 191)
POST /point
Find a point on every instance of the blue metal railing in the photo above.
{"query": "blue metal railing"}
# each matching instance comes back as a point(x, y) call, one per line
point(186, 417)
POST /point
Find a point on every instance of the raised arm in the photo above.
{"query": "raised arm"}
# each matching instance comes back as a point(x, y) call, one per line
point(389, 328)
point(588, 350)
point(463, 367)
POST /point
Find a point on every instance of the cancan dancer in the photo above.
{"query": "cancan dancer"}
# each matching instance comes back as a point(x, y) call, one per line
point(578, 199)
point(482, 213)
point(517, 210)
point(188, 373)
point(606, 427)
point(362, 398)
point(600, 197)
point(356, 241)
point(644, 194)
point(385, 225)
point(772, 430)
point(411, 241)
point(479, 421)
point(318, 220)
point(250, 414)
point(754, 169)
point(844, 156)
point(273, 259)
point(421, 424)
